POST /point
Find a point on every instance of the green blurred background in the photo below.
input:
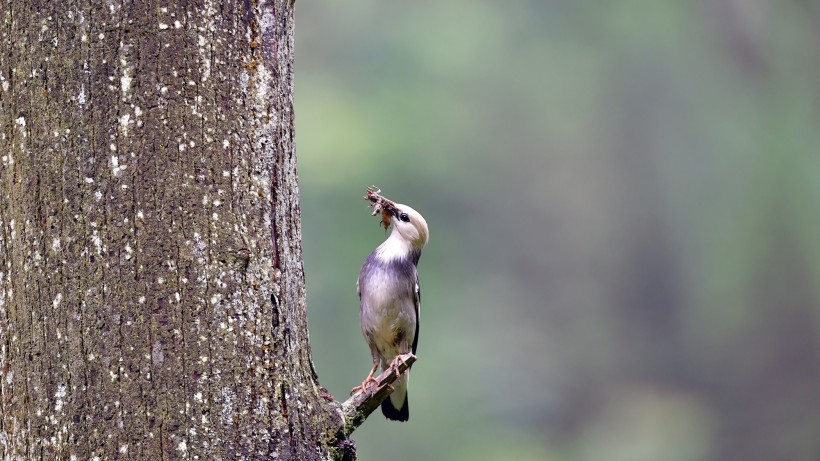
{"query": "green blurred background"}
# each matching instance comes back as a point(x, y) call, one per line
point(624, 206)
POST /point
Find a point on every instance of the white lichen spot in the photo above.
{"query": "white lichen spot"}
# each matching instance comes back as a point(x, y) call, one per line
point(137, 111)
point(163, 90)
point(182, 147)
point(57, 300)
point(124, 120)
point(215, 217)
point(225, 173)
point(203, 359)
point(125, 82)
point(183, 447)
point(116, 168)
point(61, 392)
point(217, 203)
point(84, 38)
point(140, 214)
point(225, 143)
point(215, 298)
point(97, 194)
point(112, 375)
point(204, 202)
point(157, 356)
point(141, 300)
point(101, 36)
point(163, 26)
point(55, 244)
point(95, 239)
point(88, 180)
point(198, 397)
point(177, 24)
point(124, 449)
point(177, 296)
point(160, 280)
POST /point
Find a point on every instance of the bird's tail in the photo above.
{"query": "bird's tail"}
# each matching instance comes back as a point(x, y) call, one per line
point(395, 406)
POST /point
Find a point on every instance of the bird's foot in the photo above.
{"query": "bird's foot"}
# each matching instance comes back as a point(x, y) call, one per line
point(370, 380)
point(367, 381)
point(394, 365)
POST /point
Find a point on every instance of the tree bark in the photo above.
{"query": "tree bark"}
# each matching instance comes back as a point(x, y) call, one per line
point(152, 300)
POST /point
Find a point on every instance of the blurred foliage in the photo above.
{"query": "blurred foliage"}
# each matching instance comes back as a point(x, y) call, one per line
point(623, 201)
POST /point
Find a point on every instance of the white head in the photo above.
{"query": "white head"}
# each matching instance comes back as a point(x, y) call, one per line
point(408, 237)
point(409, 225)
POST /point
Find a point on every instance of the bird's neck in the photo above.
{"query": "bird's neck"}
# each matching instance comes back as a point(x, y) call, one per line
point(396, 247)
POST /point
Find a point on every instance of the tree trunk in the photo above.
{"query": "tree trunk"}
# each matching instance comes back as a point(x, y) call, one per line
point(152, 298)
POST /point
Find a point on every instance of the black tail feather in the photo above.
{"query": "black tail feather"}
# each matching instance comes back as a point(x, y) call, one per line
point(390, 411)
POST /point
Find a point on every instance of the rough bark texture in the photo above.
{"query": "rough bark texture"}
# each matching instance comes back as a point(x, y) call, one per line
point(151, 287)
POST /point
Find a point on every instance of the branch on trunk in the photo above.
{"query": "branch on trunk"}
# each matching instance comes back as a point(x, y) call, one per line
point(359, 406)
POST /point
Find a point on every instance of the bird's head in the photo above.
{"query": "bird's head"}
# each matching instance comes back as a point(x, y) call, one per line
point(410, 226)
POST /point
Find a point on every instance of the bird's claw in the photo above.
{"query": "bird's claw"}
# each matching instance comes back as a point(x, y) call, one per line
point(367, 381)
point(394, 365)
point(370, 380)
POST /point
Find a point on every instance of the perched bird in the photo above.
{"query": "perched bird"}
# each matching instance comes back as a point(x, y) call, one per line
point(389, 298)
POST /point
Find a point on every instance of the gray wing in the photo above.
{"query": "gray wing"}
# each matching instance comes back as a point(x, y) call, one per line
point(417, 306)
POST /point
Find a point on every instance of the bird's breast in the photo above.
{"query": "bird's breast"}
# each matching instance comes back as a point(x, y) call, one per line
point(387, 295)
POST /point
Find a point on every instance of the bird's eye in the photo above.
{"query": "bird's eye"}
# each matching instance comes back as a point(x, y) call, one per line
point(404, 217)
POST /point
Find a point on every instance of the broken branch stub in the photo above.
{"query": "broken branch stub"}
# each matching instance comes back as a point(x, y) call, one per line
point(363, 402)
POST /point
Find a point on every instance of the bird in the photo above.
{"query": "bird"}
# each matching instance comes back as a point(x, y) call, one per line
point(389, 299)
